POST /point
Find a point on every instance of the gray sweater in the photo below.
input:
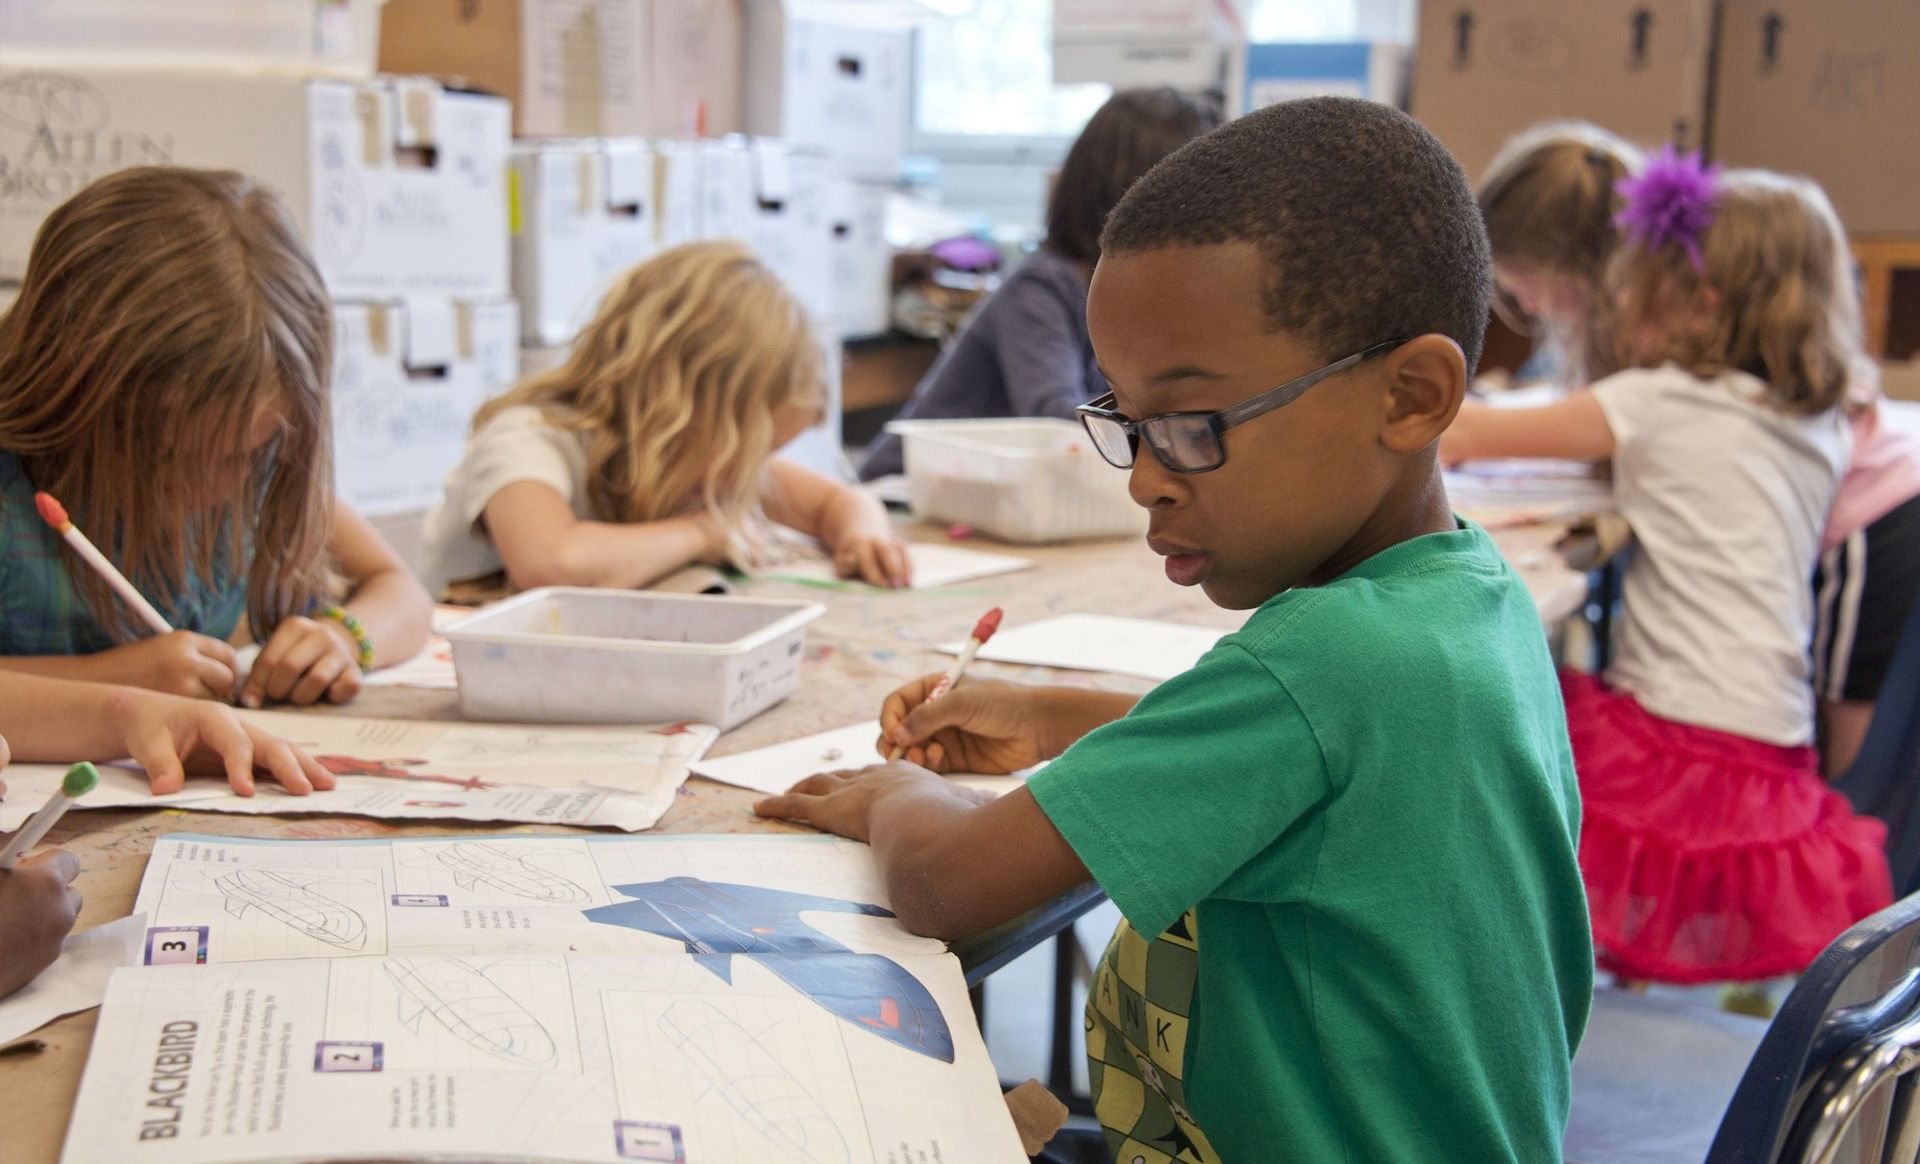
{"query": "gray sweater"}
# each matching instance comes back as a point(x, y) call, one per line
point(1024, 352)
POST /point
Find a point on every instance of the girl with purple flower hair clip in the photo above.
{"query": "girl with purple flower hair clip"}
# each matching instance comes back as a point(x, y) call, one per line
point(1669, 203)
point(1711, 846)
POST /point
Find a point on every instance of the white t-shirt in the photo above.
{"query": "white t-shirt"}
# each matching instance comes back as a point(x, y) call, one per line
point(1727, 496)
point(516, 445)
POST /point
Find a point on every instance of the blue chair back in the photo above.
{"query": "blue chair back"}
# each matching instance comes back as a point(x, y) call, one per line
point(1834, 1079)
point(1885, 780)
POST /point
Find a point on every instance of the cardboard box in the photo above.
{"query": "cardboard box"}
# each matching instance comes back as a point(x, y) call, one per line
point(1900, 379)
point(584, 215)
point(829, 85)
point(338, 38)
point(1267, 74)
point(408, 376)
point(698, 50)
point(398, 186)
point(676, 192)
point(571, 67)
point(794, 236)
point(728, 201)
point(1137, 43)
point(581, 68)
point(862, 259)
point(1829, 89)
point(1486, 69)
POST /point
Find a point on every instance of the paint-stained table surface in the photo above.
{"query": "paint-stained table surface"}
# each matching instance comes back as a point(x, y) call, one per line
point(867, 643)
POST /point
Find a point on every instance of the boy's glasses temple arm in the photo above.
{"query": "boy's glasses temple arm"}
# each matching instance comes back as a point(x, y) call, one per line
point(1252, 407)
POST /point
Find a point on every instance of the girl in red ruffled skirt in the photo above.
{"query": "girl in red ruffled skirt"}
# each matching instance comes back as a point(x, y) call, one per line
point(1711, 846)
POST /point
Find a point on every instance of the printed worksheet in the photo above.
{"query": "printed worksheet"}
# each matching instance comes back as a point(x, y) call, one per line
point(609, 777)
point(699, 998)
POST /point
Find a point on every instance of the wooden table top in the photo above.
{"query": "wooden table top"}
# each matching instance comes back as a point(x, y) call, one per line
point(867, 643)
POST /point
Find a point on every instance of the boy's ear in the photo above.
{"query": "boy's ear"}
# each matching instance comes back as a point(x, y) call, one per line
point(1426, 380)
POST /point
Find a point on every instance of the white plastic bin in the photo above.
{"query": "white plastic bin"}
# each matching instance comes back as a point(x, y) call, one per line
point(571, 655)
point(1021, 479)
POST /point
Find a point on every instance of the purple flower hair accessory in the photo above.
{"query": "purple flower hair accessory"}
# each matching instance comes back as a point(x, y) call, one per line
point(1670, 202)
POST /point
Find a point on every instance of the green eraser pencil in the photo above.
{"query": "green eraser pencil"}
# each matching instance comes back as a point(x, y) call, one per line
point(80, 780)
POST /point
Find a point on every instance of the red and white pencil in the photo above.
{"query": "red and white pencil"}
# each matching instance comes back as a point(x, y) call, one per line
point(982, 631)
point(55, 515)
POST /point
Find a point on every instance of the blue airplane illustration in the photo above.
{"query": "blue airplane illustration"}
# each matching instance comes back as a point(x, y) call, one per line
point(718, 921)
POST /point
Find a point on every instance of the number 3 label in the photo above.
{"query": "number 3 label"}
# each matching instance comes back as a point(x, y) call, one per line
point(176, 945)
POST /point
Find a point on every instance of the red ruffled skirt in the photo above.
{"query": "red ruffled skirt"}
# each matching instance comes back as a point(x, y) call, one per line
point(1711, 857)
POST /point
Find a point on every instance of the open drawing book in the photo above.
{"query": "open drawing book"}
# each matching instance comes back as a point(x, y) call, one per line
point(591, 777)
point(565, 998)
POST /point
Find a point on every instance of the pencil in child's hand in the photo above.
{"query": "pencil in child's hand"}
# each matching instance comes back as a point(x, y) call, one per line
point(982, 631)
point(80, 780)
point(55, 515)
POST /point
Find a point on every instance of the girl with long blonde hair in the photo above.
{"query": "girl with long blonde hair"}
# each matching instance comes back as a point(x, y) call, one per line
point(1711, 847)
point(652, 447)
point(164, 374)
point(1548, 201)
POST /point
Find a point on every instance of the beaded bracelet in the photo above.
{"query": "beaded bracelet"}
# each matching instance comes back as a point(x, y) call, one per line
point(362, 641)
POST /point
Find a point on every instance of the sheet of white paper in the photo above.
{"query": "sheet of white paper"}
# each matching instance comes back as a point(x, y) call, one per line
point(432, 667)
point(933, 565)
point(546, 1056)
point(574, 998)
point(612, 777)
point(1100, 642)
point(778, 768)
point(478, 895)
point(78, 978)
point(1568, 484)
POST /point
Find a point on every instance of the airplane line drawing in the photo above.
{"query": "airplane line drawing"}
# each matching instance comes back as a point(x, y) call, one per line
point(462, 998)
point(717, 921)
point(473, 863)
point(746, 1076)
point(294, 905)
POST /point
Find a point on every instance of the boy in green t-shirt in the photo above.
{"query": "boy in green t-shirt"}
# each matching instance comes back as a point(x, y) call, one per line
point(1344, 842)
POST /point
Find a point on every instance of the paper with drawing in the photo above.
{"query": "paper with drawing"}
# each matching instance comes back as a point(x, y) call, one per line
point(614, 777)
point(535, 998)
point(775, 769)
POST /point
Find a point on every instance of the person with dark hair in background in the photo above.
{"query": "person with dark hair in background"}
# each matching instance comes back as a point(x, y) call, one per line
point(1025, 352)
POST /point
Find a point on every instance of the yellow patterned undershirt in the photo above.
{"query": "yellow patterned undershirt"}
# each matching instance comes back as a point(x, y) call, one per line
point(1136, 1045)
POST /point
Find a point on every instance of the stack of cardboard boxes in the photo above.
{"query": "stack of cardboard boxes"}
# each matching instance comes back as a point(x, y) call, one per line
point(631, 119)
point(398, 184)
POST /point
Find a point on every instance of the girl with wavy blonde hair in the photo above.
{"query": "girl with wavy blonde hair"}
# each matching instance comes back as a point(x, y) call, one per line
point(1711, 846)
point(1548, 201)
point(652, 447)
point(164, 374)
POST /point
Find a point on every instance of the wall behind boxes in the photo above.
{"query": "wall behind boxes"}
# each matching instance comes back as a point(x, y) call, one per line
point(1825, 88)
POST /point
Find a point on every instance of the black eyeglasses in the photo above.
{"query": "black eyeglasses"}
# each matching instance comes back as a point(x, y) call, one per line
point(1191, 442)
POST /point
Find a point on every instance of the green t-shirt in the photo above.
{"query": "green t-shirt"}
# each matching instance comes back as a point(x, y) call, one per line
point(1353, 827)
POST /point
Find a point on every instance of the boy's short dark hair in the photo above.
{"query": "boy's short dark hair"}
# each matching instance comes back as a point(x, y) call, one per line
point(1367, 224)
